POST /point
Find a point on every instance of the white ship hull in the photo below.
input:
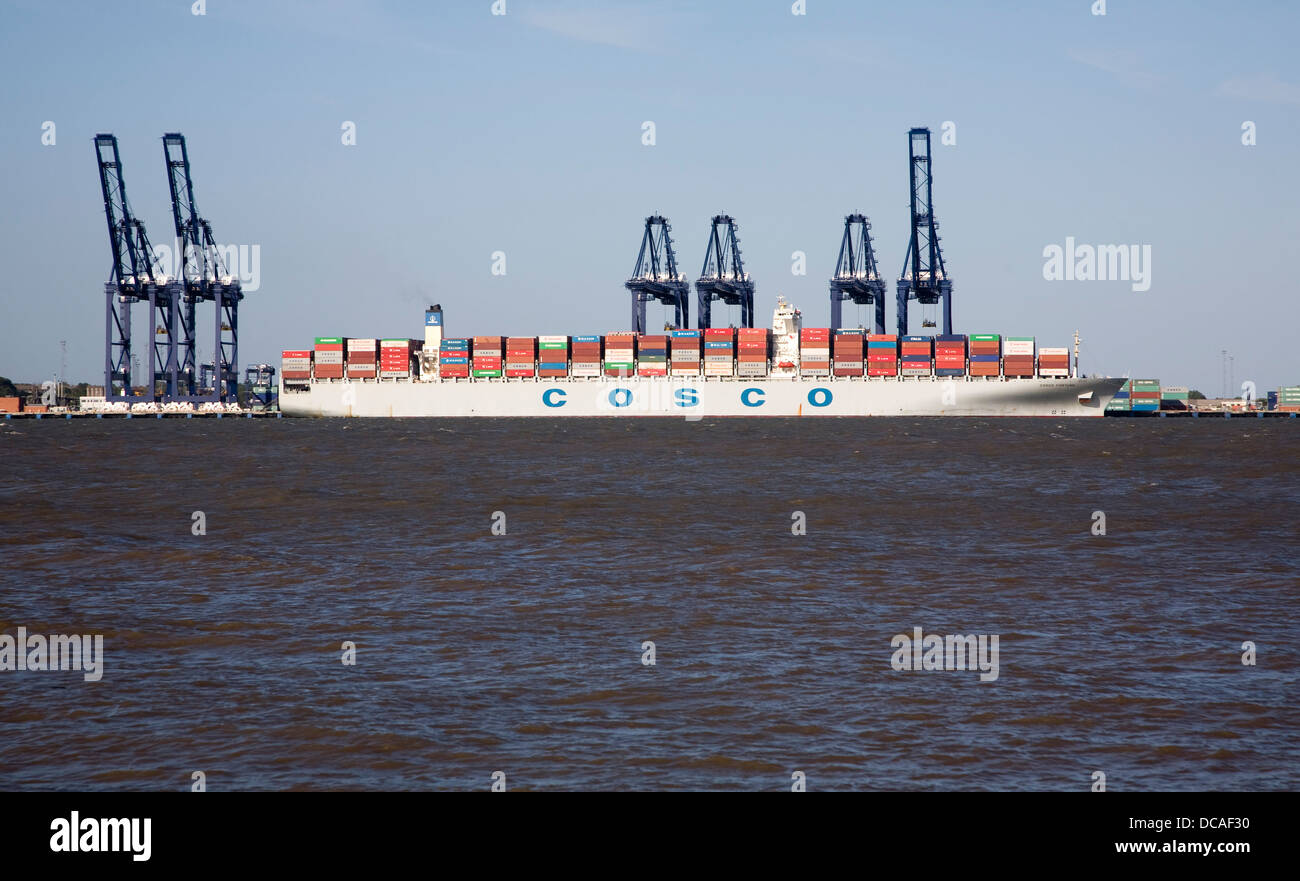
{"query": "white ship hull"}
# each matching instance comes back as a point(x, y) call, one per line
point(701, 397)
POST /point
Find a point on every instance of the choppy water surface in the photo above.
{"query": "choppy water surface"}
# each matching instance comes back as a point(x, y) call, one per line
point(523, 652)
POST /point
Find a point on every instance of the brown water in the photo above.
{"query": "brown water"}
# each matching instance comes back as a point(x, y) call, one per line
point(522, 652)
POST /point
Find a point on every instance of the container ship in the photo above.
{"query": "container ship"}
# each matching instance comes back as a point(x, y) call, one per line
point(787, 370)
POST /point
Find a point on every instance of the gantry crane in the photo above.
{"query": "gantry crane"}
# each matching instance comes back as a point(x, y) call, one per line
point(656, 276)
point(135, 276)
point(204, 278)
point(723, 276)
point(924, 277)
point(856, 276)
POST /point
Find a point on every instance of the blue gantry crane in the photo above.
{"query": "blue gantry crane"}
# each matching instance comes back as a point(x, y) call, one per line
point(136, 276)
point(924, 277)
point(856, 276)
point(204, 278)
point(723, 276)
point(656, 276)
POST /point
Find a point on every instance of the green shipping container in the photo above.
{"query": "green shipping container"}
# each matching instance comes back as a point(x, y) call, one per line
point(619, 365)
point(329, 340)
point(561, 346)
point(985, 337)
point(486, 373)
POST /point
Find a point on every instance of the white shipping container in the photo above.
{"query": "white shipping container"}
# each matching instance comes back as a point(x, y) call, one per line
point(1053, 371)
point(1054, 351)
point(553, 339)
point(1017, 348)
point(1174, 389)
point(392, 374)
point(363, 345)
point(685, 371)
point(849, 365)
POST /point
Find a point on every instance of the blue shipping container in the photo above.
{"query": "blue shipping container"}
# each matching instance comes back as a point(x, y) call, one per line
point(586, 339)
point(686, 333)
point(454, 360)
point(717, 345)
point(949, 371)
point(985, 357)
point(917, 339)
point(951, 338)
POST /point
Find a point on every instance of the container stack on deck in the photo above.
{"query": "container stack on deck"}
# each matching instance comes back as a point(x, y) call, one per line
point(751, 351)
point(950, 355)
point(453, 358)
point(847, 352)
point(521, 356)
point(487, 357)
point(882, 354)
point(1018, 356)
point(684, 352)
point(985, 354)
point(620, 353)
point(329, 357)
point(1288, 399)
point(395, 358)
point(917, 354)
point(719, 351)
point(363, 358)
point(586, 355)
point(552, 356)
point(652, 354)
point(1054, 362)
point(295, 365)
point(1144, 396)
point(815, 351)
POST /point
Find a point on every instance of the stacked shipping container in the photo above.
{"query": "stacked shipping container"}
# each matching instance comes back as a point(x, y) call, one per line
point(882, 354)
point(586, 356)
point(295, 364)
point(521, 356)
point(1018, 356)
point(846, 353)
point(719, 351)
point(950, 355)
point(1144, 395)
point(453, 358)
point(1053, 362)
point(329, 357)
point(1288, 399)
point(985, 354)
point(815, 351)
point(486, 358)
point(751, 351)
point(620, 354)
point(363, 360)
point(553, 356)
point(652, 355)
point(917, 354)
point(685, 353)
point(395, 358)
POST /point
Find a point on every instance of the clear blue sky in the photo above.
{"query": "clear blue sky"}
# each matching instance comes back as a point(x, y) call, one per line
point(522, 133)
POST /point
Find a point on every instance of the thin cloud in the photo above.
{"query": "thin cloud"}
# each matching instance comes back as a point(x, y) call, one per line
point(1264, 87)
point(1124, 64)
